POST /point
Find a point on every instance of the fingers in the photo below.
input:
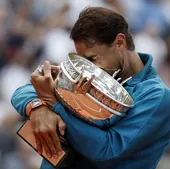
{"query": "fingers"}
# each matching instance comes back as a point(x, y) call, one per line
point(50, 71)
point(56, 142)
point(38, 144)
point(83, 85)
point(54, 67)
point(87, 84)
point(36, 74)
point(81, 82)
point(50, 144)
point(45, 144)
point(44, 123)
point(55, 71)
point(47, 68)
point(40, 69)
point(48, 141)
point(41, 144)
point(78, 86)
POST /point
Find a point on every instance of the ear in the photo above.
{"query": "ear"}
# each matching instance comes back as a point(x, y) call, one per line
point(120, 42)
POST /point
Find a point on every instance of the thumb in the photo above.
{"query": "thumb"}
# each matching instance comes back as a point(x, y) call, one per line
point(61, 126)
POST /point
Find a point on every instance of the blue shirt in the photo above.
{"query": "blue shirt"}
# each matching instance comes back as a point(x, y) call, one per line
point(136, 141)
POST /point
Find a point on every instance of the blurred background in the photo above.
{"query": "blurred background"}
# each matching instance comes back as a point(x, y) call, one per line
point(32, 31)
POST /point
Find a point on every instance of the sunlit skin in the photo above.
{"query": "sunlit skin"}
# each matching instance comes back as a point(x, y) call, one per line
point(112, 57)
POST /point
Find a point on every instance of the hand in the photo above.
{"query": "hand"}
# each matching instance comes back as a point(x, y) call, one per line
point(83, 85)
point(44, 125)
point(44, 83)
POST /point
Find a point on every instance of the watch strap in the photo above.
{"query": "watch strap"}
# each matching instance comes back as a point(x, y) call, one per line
point(34, 104)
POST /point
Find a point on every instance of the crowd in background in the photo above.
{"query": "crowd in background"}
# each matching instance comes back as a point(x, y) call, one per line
point(32, 31)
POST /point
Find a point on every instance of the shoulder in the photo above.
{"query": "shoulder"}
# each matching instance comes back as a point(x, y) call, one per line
point(150, 94)
point(150, 89)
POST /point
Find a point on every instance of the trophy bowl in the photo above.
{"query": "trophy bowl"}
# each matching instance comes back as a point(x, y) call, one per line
point(105, 91)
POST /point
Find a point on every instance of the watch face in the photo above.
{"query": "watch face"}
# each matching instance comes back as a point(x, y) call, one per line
point(36, 103)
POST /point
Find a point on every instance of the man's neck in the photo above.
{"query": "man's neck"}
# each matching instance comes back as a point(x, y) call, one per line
point(131, 64)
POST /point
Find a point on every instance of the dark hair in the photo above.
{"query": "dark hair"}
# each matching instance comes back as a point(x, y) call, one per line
point(100, 25)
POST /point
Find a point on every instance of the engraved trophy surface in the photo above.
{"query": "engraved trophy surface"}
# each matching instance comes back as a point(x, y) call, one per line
point(105, 94)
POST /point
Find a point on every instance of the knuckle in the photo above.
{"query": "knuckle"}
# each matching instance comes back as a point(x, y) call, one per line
point(47, 77)
point(44, 130)
point(52, 130)
point(35, 131)
point(33, 75)
point(34, 124)
point(34, 121)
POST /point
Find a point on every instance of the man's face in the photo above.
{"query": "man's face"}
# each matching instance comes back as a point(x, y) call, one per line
point(101, 55)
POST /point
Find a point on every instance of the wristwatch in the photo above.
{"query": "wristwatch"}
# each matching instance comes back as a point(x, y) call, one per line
point(33, 105)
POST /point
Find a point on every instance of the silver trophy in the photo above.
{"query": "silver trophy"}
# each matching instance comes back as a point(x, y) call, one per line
point(105, 89)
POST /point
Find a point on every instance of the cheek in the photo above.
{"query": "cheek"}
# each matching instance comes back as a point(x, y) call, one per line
point(101, 62)
point(106, 62)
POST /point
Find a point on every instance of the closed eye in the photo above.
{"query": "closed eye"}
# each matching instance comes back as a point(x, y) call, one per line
point(92, 58)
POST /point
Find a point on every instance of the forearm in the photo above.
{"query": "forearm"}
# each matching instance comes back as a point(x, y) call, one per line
point(90, 141)
point(22, 96)
point(122, 139)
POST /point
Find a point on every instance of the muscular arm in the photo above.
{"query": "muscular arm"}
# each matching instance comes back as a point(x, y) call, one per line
point(125, 137)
